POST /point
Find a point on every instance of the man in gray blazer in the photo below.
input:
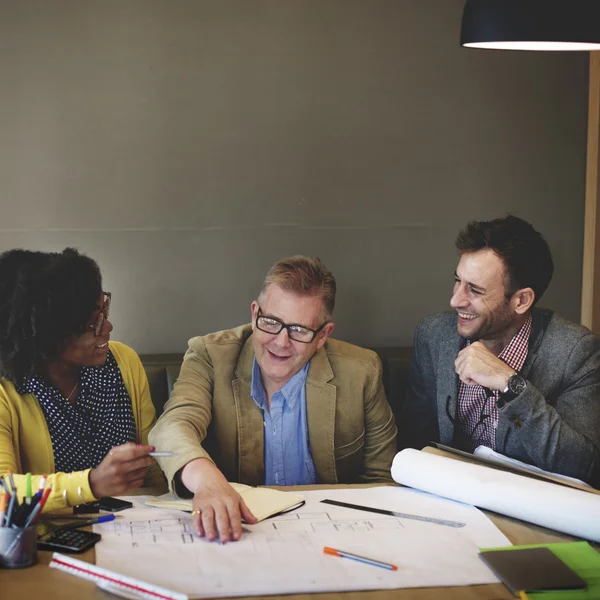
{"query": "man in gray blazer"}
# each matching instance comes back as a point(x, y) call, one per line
point(498, 372)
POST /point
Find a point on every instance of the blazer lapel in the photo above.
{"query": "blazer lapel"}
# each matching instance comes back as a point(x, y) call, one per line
point(250, 422)
point(320, 410)
point(538, 327)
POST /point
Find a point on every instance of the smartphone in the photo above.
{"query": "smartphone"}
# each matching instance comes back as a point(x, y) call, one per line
point(113, 504)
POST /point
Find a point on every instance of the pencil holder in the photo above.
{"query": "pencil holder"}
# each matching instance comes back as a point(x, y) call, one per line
point(18, 547)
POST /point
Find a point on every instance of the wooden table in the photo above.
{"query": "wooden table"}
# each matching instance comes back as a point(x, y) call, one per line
point(44, 583)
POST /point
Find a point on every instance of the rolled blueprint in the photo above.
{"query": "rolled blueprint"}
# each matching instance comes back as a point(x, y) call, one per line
point(547, 504)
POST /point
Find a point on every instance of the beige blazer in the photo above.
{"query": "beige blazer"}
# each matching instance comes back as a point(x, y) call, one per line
point(351, 428)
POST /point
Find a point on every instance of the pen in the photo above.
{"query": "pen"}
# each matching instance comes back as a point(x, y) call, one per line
point(11, 507)
point(20, 515)
point(33, 514)
point(4, 486)
point(28, 488)
point(12, 481)
point(38, 508)
point(3, 504)
point(86, 522)
point(159, 453)
point(36, 498)
point(42, 483)
point(363, 559)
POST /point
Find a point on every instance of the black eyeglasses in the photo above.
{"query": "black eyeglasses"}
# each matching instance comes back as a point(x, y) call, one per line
point(298, 333)
point(97, 326)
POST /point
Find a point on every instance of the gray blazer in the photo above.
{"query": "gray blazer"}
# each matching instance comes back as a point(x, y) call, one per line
point(554, 424)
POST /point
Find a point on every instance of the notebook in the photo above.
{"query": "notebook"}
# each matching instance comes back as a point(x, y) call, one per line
point(532, 570)
point(263, 502)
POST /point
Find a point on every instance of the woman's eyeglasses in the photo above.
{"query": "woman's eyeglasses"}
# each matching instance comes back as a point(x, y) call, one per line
point(97, 326)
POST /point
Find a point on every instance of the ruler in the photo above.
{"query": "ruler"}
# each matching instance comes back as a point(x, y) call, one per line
point(126, 587)
point(393, 513)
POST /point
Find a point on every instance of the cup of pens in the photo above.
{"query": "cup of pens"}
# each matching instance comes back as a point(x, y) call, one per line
point(18, 547)
point(18, 536)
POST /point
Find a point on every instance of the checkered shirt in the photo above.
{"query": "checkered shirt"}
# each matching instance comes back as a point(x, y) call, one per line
point(477, 412)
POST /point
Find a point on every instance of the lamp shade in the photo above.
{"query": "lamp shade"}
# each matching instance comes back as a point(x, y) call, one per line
point(531, 24)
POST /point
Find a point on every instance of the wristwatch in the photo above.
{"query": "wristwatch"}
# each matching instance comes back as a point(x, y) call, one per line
point(514, 386)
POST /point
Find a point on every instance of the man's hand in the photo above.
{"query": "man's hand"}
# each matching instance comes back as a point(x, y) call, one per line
point(121, 470)
point(475, 364)
point(217, 509)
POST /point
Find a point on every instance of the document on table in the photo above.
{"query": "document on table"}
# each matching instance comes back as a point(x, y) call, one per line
point(284, 554)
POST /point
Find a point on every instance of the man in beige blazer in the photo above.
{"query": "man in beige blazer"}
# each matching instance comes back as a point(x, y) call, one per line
point(276, 402)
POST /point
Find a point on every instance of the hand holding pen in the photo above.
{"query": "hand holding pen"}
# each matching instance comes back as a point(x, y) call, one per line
point(121, 470)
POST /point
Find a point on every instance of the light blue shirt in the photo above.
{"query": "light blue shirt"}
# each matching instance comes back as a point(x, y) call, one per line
point(288, 460)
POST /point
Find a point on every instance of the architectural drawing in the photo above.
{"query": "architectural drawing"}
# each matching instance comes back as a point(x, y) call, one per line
point(284, 554)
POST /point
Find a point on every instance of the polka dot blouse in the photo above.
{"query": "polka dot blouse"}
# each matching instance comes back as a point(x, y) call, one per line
point(102, 417)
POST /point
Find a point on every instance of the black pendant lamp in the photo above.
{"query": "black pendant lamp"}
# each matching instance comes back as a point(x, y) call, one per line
point(531, 24)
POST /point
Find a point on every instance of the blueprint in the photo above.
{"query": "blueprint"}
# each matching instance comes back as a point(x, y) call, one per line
point(560, 507)
point(284, 554)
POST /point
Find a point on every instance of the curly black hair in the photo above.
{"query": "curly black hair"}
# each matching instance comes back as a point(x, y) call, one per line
point(45, 299)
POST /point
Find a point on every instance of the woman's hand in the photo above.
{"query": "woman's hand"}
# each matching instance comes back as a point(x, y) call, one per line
point(121, 470)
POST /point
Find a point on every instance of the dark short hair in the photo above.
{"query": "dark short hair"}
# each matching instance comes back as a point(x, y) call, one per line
point(45, 298)
point(523, 250)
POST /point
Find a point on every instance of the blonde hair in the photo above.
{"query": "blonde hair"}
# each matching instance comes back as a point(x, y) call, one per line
point(303, 276)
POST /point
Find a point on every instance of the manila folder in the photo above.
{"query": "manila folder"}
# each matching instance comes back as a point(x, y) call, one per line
point(263, 502)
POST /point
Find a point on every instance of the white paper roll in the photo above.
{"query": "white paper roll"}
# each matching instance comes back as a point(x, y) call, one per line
point(547, 504)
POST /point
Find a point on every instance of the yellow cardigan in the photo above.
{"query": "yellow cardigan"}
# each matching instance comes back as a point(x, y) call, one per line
point(26, 447)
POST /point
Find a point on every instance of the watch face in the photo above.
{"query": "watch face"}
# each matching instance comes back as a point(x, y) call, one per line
point(516, 384)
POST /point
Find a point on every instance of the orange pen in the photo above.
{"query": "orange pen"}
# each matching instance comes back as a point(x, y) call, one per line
point(3, 505)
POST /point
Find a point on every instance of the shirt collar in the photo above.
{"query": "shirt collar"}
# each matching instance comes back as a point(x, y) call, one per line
point(89, 377)
point(290, 391)
point(515, 353)
point(30, 385)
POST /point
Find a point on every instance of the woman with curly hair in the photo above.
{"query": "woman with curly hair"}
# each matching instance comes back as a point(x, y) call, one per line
point(73, 404)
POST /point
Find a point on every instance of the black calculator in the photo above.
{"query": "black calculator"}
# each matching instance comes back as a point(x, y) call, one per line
point(68, 540)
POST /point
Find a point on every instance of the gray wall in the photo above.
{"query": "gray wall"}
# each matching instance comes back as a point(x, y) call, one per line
point(188, 144)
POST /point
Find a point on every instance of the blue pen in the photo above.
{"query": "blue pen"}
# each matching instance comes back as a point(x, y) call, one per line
point(33, 514)
point(84, 523)
point(11, 506)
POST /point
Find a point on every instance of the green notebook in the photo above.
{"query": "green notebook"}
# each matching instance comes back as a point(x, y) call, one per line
point(578, 556)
